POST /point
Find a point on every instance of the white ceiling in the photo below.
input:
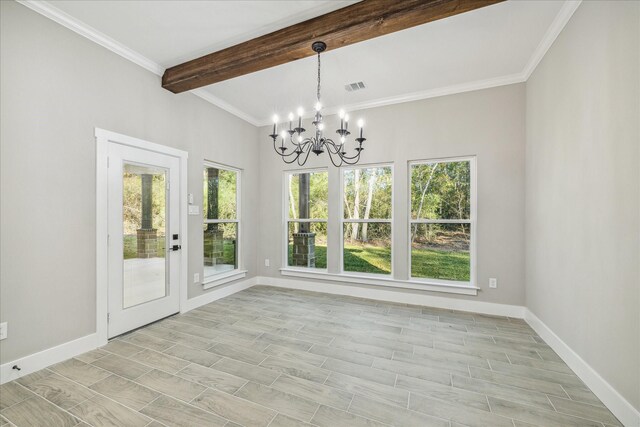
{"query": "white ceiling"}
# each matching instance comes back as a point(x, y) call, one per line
point(495, 45)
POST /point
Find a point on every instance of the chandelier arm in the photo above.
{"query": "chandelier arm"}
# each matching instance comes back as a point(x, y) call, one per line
point(333, 161)
point(305, 159)
point(280, 153)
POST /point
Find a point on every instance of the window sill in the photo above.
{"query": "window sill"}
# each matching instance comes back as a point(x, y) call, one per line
point(222, 278)
point(383, 280)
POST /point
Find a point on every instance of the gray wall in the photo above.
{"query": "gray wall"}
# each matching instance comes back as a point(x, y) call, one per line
point(582, 223)
point(487, 123)
point(56, 87)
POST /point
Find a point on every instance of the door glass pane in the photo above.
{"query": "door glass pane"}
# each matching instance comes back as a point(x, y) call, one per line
point(143, 222)
point(441, 251)
point(220, 247)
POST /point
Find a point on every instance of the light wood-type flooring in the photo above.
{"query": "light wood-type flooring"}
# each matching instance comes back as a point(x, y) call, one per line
point(276, 357)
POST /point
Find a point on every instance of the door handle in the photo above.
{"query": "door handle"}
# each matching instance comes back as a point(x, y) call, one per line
point(175, 248)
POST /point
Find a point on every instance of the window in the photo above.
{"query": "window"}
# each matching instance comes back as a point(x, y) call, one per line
point(221, 225)
point(367, 216)
point(307, 212)
point(442, 219)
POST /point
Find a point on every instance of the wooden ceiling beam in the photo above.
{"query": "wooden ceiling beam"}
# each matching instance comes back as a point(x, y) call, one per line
point(352, 24)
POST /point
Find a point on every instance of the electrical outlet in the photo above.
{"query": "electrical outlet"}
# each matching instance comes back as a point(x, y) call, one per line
point(196, 277)
point(493, 283)
point(3, 330)
point(266, 262)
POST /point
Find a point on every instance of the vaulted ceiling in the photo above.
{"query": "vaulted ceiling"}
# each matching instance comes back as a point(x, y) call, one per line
point(498, 44)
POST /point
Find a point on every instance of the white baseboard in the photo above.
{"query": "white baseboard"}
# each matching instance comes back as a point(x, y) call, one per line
point(404, 296)
point(51, 356)
point(217, 293)
point(618, 405)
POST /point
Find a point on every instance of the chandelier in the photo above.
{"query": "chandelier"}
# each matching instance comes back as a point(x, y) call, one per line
point(294, 147)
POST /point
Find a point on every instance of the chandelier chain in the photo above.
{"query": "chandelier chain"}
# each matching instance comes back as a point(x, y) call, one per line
point(318, 93)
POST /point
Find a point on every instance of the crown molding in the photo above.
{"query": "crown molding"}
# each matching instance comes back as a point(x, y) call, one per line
point(554, 30)
point(209, 97)
point(416, 96)
point(566, 12)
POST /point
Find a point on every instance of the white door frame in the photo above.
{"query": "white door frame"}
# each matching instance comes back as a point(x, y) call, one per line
point(103, 138)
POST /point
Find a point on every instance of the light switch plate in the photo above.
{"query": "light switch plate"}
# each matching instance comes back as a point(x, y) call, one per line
point(493, 283)
point(194, 210)
point(3, 330)
point(196, 277)
point(266, 262)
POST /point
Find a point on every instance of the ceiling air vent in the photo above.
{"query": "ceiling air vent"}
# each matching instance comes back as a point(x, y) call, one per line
point(352, 87)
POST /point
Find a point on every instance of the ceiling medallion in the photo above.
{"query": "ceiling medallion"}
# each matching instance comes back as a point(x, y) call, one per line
point(299, 147)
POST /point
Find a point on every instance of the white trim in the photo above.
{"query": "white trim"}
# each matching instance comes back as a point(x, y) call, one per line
point(103, 138)
point(40, 360)
point(384, 280)
point(222, 278)
point(420, 95)
point(47, 9)
point(554, 30)
point(209, 97)
point(391, 295)
point(50, 356)
point(216, 294)
point(614, 401)
point(218, 278)
point(472, 221)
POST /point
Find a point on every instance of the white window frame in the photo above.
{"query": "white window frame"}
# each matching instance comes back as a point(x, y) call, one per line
point(237, 273)
point(344, 220)
point(285, 215)
point(472, 221)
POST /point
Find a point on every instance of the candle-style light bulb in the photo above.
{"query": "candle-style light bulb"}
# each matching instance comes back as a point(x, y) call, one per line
point(300, 113)
point(318, 106)
point(275, 124)
point(290, 120)
point(283, 135)
point(341, 114)
point(346, 122)
point(361, 126)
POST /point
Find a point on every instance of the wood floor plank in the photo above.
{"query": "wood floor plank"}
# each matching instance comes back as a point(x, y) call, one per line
point(286, 403)
point(172, 412)
point(37, 412)
point(12, 393)
point(61, 391)
point(81, 372)
point(171, 385)
point(122, 390)
point(212, 378)
point(311, 390)
point(327, 416)
point(101, 411)
point(235, 409)
point(393, 415)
